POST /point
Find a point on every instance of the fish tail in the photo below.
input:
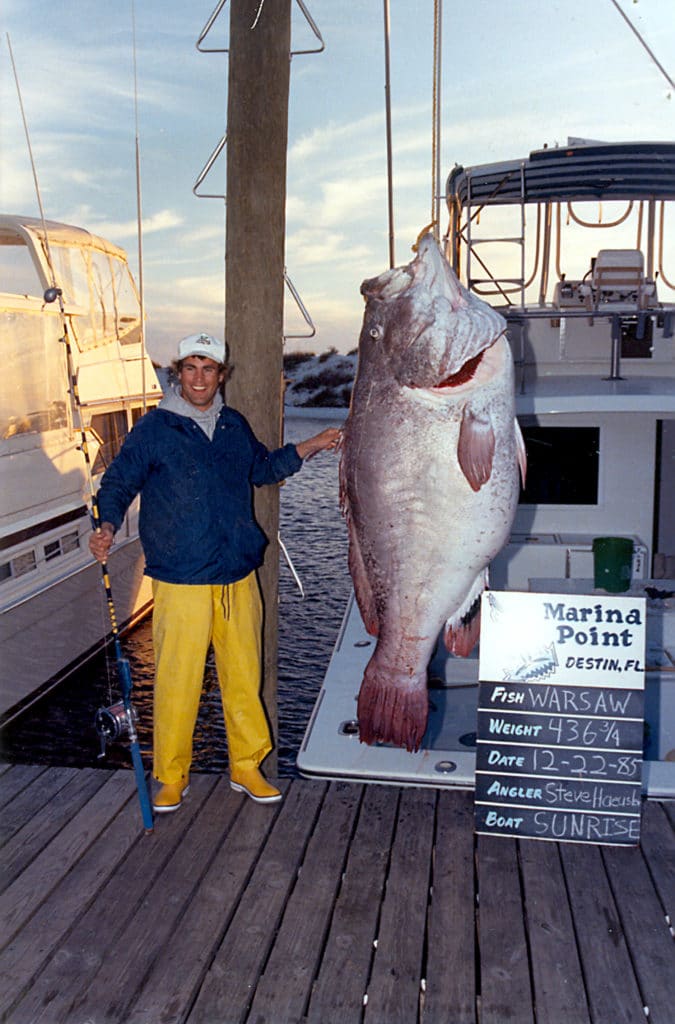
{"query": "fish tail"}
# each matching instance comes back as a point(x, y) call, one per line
point(392, 714)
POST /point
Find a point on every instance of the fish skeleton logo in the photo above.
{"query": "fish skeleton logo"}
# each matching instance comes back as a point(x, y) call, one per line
point(536, 666)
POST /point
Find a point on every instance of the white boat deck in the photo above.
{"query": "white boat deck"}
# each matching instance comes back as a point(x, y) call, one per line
point(331, 747)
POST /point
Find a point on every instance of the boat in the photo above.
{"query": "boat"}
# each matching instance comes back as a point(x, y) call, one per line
point(568, 244)
point(53, 608)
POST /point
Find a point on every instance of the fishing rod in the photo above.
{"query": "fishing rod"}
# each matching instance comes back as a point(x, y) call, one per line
point(120, 719)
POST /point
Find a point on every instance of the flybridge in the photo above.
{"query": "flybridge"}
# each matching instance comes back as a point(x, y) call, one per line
point(580, 172)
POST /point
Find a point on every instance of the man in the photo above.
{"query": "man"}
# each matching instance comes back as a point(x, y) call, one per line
point(194, 460)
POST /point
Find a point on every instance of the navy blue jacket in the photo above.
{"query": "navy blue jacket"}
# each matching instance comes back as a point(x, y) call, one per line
point(196, 520)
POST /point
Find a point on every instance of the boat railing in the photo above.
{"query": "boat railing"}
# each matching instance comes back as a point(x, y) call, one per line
point(517, 319)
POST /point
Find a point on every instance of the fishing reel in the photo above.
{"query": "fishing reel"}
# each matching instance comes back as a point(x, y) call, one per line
point(115, 723)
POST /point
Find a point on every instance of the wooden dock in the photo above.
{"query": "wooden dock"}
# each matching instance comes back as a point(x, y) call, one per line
point(344, 903)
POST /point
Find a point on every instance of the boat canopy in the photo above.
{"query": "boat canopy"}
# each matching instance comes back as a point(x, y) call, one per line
point(59, 234)
point(573, 173)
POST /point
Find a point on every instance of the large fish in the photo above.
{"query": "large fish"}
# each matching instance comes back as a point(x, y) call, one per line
point(428, 479)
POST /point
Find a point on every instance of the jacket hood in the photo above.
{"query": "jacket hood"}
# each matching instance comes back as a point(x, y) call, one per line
point(174, 402)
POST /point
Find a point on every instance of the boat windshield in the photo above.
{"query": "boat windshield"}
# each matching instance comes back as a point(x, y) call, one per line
point(100, 285)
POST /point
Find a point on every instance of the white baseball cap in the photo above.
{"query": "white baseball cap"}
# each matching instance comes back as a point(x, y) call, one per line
point(202, 345)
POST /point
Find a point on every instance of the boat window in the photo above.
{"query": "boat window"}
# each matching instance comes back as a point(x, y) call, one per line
point(52, 550)
point(23, 564)
point(70, 542)
point(128, 307)
point(62, 546)
point(32, 382)
point(111, 427)
point(17, 271)
point(70, 272)
point(139, 411)
point(562, 465)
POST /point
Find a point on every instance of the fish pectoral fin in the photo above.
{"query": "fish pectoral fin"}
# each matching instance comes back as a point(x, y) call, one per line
point(476, 447)
point(460, 639)
point(521, 453)
point(462, 629)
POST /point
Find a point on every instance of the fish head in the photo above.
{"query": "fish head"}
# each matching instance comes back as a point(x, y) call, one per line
point(422, 326)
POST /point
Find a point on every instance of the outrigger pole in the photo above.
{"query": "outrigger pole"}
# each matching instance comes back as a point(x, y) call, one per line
point(387, 96)
point(123, 668)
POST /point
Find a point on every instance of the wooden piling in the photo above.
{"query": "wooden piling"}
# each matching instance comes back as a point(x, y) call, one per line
point(257, 135)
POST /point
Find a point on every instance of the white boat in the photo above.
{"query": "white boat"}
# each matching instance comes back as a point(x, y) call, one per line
point(53, 611)
point(591, 323)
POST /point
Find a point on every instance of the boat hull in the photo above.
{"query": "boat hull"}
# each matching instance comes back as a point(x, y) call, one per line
point(52, 632)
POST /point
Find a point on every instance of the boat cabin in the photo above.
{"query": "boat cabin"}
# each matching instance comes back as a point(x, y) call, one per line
point(46, 615)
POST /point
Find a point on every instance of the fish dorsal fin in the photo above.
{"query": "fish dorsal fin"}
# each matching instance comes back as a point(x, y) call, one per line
point(475, 448)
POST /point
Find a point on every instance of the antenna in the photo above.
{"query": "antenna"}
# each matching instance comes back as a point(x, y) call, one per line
point(139, 213)
point(33, 167)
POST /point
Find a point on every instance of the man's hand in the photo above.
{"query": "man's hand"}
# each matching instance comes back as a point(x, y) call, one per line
point(101, 542)
point(327, 440)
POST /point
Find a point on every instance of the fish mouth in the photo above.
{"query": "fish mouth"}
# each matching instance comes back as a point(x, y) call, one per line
point(478, 369)
point(462, 376)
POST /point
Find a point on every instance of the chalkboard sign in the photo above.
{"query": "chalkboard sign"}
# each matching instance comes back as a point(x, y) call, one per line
point(560, 717)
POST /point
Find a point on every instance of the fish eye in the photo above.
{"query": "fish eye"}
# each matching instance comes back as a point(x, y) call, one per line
point(376, 332)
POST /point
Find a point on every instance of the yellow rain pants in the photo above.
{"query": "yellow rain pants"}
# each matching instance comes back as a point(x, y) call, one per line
point(186, 619)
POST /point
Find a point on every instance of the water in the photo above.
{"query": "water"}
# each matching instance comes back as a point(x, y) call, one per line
point(59, 729)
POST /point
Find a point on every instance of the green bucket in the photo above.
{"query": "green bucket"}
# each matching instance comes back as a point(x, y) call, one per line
point(613, 563)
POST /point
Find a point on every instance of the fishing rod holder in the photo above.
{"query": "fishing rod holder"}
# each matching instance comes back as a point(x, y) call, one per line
point(114, 723)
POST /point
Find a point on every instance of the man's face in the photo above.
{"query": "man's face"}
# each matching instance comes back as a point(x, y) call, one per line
point(199, 380)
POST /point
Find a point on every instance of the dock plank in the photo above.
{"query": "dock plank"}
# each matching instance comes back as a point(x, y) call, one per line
point(657, 841)
point(131, 956)
point(647, 933)
point(49, 867)
point(77, 959)
point(559, 994)
point(505, 987)
point(229, 985)
point(450, 971)
point(343, 975)
point(27, 843)
point(174, 980)
point(395, 984)
point(668, 808)
point(291, 913)
point(611, 985)
point(32, 798)
point(284, 988)
point(25, 956)
point(15, 777)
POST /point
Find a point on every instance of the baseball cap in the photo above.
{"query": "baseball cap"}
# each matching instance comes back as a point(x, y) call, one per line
point(202, 345)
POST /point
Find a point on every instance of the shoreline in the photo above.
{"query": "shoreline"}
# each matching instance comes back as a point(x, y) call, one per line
point(316, 412)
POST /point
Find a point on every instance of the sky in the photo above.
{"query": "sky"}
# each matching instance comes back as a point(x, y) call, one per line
point(517, 75)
